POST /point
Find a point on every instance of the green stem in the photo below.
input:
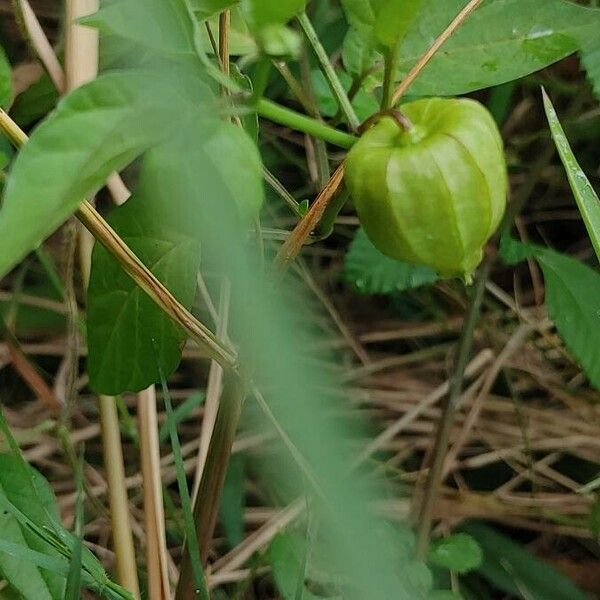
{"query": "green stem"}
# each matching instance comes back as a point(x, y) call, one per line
point(434, 480)
point(289, 118)
point(334, 82)
point(391, 61)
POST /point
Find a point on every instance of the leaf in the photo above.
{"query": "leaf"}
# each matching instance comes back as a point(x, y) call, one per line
point(587, 200)
point(231, 511)
point(381, 23)
point(98, 129)
point(590, 56)
point(261, 13)
point(122, 321)
point(370, 272)
point(573, 300)
point(16, 481)
point(501, 41)
point(5, 80)
point(207, 8)
point(364, 103)
point(165, 27)
point(458, 552)
point(358, 53)
point(163, 224)
point(287, 554)
point(181, 413)
point(35, 102)
point(517, 572)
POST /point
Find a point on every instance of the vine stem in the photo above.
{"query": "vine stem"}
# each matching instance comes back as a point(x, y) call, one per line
point(460, 18)
point(332, 79)
point(444, 430)
point(136, 269)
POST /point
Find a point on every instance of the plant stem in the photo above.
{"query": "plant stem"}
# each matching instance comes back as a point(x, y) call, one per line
point(431, 52)
point(117, 493)
point(334, 82)
point(207, 502)
point(291, 248)
point(391, 61)
point(289, 118)
point(449, 411)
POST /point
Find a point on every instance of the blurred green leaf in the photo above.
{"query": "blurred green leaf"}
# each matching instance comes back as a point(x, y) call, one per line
point(16, 480)
point(573, 300)
point(165, 27)
point(358, 54)
point(98, 129)
point(458, 552)
point(288, 555)
point(370, 272)
point(501, 41)
point(590, 57)
point(233, 498)
point(5, 80)
point(587, 200)
point(516, 571)
point(207, 8)
point(444, 595)
point(261, 13)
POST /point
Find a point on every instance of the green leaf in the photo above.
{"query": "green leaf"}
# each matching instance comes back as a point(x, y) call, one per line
point(35, 102)
point(587, 200)
point(381, 23)
point(122, 320)
point(517, 572)
point(288, 553)
point(231, 510)
point(98, 129)
point(181, 413)
point(364, 103)
point(458, 552)
point(261, 13)
point(205, 9)
point(501, 41)
point(165, 27)
point(572, 298)
point(16, 481)
point(370, 272)
point(394, 19)
point(162, 224)
point(5, 80)
point(590, 57)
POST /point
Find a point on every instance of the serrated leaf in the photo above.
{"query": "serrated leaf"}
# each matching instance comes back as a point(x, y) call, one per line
point(587, 200)
point(516, 571)
point(458, 552)
point(98, 129)
point(163, 223)
point(501, 41)
point(370, 272)
point(572, 298)
point(16, 481)
point(5, 80)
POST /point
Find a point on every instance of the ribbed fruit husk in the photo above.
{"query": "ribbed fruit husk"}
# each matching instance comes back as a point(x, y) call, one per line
point(433, 194)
